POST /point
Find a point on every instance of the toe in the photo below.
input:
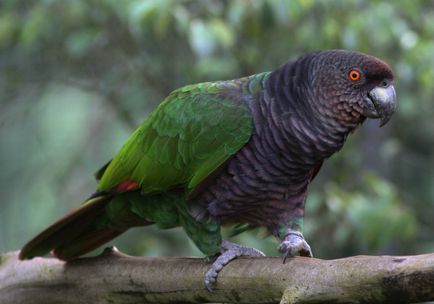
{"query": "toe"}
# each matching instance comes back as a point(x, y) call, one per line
point(306, 251)
point(294, 245)
point(209, 281)
point(230, 252)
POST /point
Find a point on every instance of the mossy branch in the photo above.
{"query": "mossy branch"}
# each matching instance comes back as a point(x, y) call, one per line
point(113, 277)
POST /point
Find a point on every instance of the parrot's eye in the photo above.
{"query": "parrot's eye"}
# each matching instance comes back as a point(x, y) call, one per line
point(354, 75)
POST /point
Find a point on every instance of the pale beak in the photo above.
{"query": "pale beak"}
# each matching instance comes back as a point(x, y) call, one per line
point(380, 103)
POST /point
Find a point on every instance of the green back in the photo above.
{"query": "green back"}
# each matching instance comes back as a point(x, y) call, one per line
point(192, 132)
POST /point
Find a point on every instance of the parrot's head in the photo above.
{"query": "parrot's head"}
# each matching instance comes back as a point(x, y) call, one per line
point(353, 86)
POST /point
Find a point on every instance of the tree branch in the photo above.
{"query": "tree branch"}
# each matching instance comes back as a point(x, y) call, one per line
point(114, 277)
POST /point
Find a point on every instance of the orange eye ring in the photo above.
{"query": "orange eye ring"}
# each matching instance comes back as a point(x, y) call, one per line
point(354, 75)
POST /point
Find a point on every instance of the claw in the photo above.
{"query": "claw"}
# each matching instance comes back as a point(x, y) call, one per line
point(285, 256)
point(229, 252)
point(208, 284)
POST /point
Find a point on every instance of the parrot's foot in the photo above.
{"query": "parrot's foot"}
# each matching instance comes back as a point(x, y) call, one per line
point(294, 244)
point(229, 252)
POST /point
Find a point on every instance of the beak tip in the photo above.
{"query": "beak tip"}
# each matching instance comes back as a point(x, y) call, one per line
point(384, 120)
point(384, 101)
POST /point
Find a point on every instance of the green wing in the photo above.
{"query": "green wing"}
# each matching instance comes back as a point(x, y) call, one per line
point(193, 131)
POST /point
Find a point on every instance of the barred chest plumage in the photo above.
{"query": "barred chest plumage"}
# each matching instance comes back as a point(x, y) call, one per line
point(258, 187)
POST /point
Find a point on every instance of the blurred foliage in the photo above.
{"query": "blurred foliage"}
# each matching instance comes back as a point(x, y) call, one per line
point(77, 76)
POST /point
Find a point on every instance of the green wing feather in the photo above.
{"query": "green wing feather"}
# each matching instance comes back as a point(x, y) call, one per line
point(193, 131)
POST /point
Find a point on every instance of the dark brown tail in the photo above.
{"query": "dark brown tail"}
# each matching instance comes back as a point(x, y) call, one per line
point(75, 234)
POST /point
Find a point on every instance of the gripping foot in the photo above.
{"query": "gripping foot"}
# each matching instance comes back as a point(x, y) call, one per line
point(294, 244)
point(229, 252)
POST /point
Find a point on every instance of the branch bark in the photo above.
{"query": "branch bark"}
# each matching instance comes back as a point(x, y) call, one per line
point(113, 277)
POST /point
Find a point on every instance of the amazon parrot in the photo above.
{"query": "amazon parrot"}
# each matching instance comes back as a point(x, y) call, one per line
point(236, 152)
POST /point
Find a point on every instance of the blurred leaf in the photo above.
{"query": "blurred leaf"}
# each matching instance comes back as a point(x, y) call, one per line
point(79, 43)
point(35, 27)
point(8, 28)
point(202, 38)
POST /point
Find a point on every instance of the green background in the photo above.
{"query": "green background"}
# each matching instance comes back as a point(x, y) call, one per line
point(77, 77)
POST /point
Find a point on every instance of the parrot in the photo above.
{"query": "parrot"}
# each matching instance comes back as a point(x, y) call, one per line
point(238, 152)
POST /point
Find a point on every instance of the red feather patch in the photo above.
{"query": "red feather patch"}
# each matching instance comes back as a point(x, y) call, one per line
point(127, 185)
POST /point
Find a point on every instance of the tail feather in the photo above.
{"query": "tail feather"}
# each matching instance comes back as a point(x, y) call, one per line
point(86, 243)
point(70, 229)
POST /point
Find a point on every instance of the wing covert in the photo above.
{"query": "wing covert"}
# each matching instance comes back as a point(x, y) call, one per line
point(193, 131)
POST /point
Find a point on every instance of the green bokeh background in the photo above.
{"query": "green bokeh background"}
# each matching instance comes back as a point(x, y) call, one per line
point(77, 77)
